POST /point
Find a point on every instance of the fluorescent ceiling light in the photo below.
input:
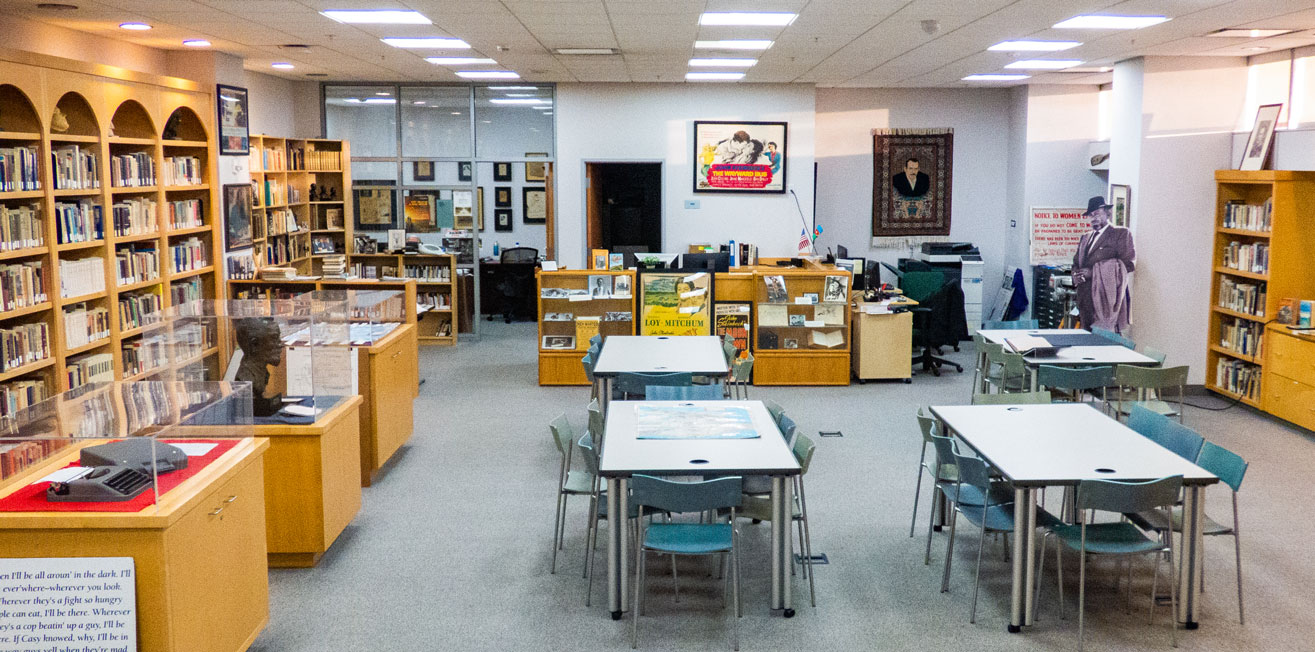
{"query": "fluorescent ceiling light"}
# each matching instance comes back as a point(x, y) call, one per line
point(196, 43)
point(587, 51)
point(1044, 64)
point(431, 42)
point(748, 18)
point(714, 76)
point(418, 102)
point(521, 95)
point(722, 63)
point(733, 44)
point(282, 65)
point(380, 100)
point(1249, 33)
point(519, 100)
point(377, 16)
point(995, 77)
point(134, 26)
point(1033, 46)
point(487, 74)
point(383, 93)
point(513, 88)
point(459, 61)
point(1097, 21)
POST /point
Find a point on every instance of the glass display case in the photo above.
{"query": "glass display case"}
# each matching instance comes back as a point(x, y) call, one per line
point(117, 446)
point(372, 314)
point(575, 305)
point(803, 311)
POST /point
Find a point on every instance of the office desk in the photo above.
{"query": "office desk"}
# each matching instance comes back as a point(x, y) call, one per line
point(1072, 356)
point(656, 354)
point(626, 455)
point(1060, 444)
point(882, 343)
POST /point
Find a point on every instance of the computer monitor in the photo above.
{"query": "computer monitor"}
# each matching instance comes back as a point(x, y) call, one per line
point(628, 253)
point(841, 252)
point(719, 261)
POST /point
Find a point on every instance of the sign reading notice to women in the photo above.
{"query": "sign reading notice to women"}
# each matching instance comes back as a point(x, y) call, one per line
point(739, 157)
point(1055, 234)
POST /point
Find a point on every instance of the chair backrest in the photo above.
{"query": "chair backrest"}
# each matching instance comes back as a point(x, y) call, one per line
point(944, 450)
point(595, 419)
point(728, 347)
point(928, 424)
point(804, 447)
point(973, 471)
point(920, 285)
point(1070, 378)
point(774, 408)
point(1181, 440)
point(595, 340)
point(742, 368)
point(519, 255)
point(689, 393)
point(1229, 466)
point(632, 383)
point(1114, 337)
point(1155, 354)
point(588, 362)
point(788, 428)
point(1012, 362)
point(589, 453)
point(1016, 398)
point(1013, 325)
point(1126, 375)
point(562, 434)
point(1128, 497)
point(669, 496)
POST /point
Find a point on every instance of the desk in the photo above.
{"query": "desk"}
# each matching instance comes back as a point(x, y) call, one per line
point(1071, 356)
point(626, 455)
point(882, 343)
point(699, 355)
point(1035, 446)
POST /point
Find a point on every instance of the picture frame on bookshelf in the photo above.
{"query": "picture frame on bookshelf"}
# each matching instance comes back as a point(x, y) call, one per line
point(559, 342)
point(534, 205)
point(422, 170)
point(237, 216)
point(234, 133)
point(502, 219)
point(502, 171)
point(536, 171)
point(502, 197)
point(1120, 198)
point(465, 171)
point(1256, 152)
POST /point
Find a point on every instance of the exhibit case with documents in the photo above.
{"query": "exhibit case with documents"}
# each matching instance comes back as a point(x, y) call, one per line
point(801, 326)
point(575, 305)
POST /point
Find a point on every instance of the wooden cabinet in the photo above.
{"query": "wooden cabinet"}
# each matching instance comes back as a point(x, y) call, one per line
point(565, 324)
point(881, 346)
point(801, 337)
point(1290, 377)
point(388, 380)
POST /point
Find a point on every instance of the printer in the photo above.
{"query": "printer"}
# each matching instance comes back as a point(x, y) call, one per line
point(961, 262)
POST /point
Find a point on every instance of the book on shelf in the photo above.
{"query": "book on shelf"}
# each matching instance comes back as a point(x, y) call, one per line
point(21, 227)
point(1241, 296)
point(90, 368)
point(278, 273)
point(323, 160)
point(433, 300)
point(1249, 217)
point(275, 192)
point(186, 213)
point(296, 158)
point(188, 255)
point(22, 285)
point(18, 456)
point(1242, 336)
point(137, 263)
point(134, 170)
point(433, 273)
point(74, 167)
point(280, 221)
point(334, 266)
point(1247, 257)
point(137, 309)
point(182, 171)
point(242, 265)
point(134, 216)
point(84, 325)
point(19, 394)
point(273, 159)
point(187, 291)
point(81, 276)
point(82, 221)
point(144, 354)
point(24, 344)
point(1238, 377)
point(19, 170)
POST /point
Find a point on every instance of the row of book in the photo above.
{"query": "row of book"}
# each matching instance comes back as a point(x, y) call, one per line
point(185, 291)
point(90, 368)
point(436, 273)
point(434, 300)
point(1251, 217)
point(334, 266)
point(144, 354)
point(277, 251)
point(19, 394)
point(81, 277)
point(17, 456)
point(24, 344)
point(135, 216)
point(137, 263)
point(269, 159)
point(18, 169)
point(138, 309)
point(1252, 257)
point(241, 265)
point(1238, 377)
point(370, 270)
point(83, 221)
point(136, 170)
point(185, 213)
point(281, 221)
point(22, 285)
point(275, 193)
point(74, 168)
point(83, 325)
point(182, 171)
point(323, 160)
point(1243, 336)
point(21, 227)
point(188, 255)
point(1242, 297)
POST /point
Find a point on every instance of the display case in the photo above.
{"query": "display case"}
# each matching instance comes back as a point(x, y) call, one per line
point(573, 307)
point(372, 314)
point(801, 320)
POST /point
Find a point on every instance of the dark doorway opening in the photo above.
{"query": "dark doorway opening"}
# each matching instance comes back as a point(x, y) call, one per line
point(624, 206)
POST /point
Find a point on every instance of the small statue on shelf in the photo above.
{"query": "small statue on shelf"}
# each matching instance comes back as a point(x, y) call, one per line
point(333, 194)
point(171, 127)
point(262, 363)
point(313, 196)
point(58, 122)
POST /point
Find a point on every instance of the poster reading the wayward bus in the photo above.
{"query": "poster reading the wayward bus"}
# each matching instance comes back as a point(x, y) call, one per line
point(746, 157)
point(675, 303)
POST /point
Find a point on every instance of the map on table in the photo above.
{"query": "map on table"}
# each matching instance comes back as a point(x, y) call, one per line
point(693, 422)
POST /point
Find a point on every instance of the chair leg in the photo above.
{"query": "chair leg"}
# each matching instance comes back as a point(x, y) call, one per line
point(1059, 576)
point(675, 582)
point(931, 520)
point(977, 575)
point(1155, 586)
point(557, 528)
point(808, 544)
point(735, 578)
point(591, 522)
point(1237, 552)
point(1173, 604)
point(589, 564)
point(949, 553)
point(1082, 594)
point(917, 488)
point(634, 606)
point(1040, 570)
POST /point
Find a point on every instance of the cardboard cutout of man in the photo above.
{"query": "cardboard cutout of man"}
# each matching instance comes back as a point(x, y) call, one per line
point(1105, 258)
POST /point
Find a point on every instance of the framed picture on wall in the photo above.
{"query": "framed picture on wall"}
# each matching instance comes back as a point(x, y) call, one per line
point(479, 206)
point(502, 171)
point(1120, 205)
point(739, 157)
point(1256, 151)
point(502, 197)
point(536, 171)
point(237, 216)
point(422, 170)
point(234, 136)
point(502, 219)
point(464, 172)
point(534, 205)
point(463, 209)
point(374, 208)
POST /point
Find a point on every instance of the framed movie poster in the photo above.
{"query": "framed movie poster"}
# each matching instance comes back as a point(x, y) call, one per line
point(237, 216)
point(743, 157)
point(1262, 135)
point(534, 205)
point(673, 302)
point(234, 136)
point(502, 219)
point(502, 171)
point(1120, 199)
point(422, 170)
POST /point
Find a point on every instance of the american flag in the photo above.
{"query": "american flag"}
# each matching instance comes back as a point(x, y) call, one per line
point(803, 241)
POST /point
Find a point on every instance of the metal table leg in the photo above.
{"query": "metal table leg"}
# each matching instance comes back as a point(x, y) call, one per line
point(1017, 602)
point(1189, 581)
point(781, 502)
point(1029, 569)
point(618, 539)
point(604, 393)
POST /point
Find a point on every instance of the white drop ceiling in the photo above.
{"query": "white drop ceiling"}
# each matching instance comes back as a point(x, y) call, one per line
point(845, 43)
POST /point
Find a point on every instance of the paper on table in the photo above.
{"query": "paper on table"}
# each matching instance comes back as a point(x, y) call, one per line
point(300, 410)
point(66, 474)
point(549, 265)
point(688, 421)
point(197, 450)
point(877, 309)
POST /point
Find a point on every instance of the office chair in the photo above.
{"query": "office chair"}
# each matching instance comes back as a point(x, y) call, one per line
point(516, 285)
point(929, 317)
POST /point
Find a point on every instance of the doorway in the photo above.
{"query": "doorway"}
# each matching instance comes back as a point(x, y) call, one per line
point(623, 206)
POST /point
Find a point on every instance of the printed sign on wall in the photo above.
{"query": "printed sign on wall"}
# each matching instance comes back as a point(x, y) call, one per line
point(1055, 234)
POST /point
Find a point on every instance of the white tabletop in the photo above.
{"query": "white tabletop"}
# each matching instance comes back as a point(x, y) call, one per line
point(998, 335)
point(624, 454)
point(1062, 443)
point(1072, 356)
point(699, 355)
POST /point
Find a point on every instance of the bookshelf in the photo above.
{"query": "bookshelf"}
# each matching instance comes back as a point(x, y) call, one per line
point(1261, 256)
point(290, 226)
point(560, 317)
point(436, 296)
point(87, 242)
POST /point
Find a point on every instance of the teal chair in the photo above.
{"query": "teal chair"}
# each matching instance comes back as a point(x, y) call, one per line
point(689, 393)
point(929, 427)
point(741, 373)
point(1005, 370)
point(1155, 354)
point(954, 493)
point(569, 483)
point(1114, 337)
point(685, 538)
point(1077, 382)
point(774, 409)
point(759, 508)
point(596, 340)
point(757, 485)
point(1114, 538)
point(1146, 387)
point(1017, 398)
point(1179, 439)
point(597, 511)
point(634, 384)
point(728, 348)
point(1012, 325)
point(588, 362)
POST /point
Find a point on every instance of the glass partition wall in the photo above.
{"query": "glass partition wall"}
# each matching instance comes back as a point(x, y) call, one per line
point(458, 166)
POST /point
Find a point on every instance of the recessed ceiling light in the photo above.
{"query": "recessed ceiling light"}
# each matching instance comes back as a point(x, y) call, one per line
point(1256, 48)
point(196, 43)
point(1098, 21)
point(513, 88)
point(282, 65)
point(747, 18)
point(995, 77)
point(431, 42)
point(1249, 33)
point(1033, 46)
point(714, 76)
point(134, 26)
point(519, 100)
point(383, 93)
point(418, 102)
point(377, 16)
point(1044, 64)
point(459, 61)
point(1088, 69)
point(587, 51)
point(487, 74)
point(722, 63)
point(733, 44)
point(456, 113)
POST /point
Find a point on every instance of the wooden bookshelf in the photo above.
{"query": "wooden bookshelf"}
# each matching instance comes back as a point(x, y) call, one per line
point(435, 276)
point(283, 170)
point(562, 366)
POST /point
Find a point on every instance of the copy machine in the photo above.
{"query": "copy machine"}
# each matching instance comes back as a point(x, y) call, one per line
point(960, 262)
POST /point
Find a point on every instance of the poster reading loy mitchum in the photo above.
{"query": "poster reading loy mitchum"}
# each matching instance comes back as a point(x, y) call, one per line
point(744, 157)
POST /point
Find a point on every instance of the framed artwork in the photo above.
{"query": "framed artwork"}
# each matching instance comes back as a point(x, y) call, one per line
point(1256, 151)
point(675, 303)
point(464, 171)
point(234, 136)
point(536, 171)
point(911, 185)
point(559, 341)
point(237, 216)
point(479, 206)
point(502, 197)
point(374, 207)
point(739, 157)
point(422, 170)
point(502, 219)
point(502, 171)
point(534, 205)
point(463, 215)
point(1120, 205)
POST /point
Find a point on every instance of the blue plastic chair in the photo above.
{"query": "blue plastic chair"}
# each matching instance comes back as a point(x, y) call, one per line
point(1012, 325)
point(690, 393)
point(774, 409)
point(1148, 387)
point(1016, 398)
point(1114, 337)
point(757, 485)
point(1077, 381)
point(631, 384)
point(596, 340)
point(569, 483)
point(1183, 441)
point(597, 511)
point(691, 539)
point(952, 491)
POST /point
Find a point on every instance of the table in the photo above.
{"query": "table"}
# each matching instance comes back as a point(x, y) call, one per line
point(1071, 356)
point(700, 355)
point(881, 342)
point(626, 455)
point(1060, 444)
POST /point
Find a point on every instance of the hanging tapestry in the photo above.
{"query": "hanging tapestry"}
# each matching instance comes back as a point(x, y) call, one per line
point(911, 182)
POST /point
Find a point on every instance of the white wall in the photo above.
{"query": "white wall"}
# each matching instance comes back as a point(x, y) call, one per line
point(44, 38)
point(655, 122)
point(282, 107)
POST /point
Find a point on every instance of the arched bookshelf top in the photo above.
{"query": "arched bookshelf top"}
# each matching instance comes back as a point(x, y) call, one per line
point(132, 121)
point(184, 124)
point(81, 119)
point(17, 114)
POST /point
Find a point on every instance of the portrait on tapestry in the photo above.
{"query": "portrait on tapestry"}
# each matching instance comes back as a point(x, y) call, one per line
point(911, 184)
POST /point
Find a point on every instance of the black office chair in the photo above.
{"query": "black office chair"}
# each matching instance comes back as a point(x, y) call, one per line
point(516, 285)
point(933, 320)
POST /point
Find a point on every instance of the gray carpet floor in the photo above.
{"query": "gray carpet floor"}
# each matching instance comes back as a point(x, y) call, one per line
point(452, 546)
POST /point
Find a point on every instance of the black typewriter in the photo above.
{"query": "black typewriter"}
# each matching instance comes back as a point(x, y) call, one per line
point(104, 484)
